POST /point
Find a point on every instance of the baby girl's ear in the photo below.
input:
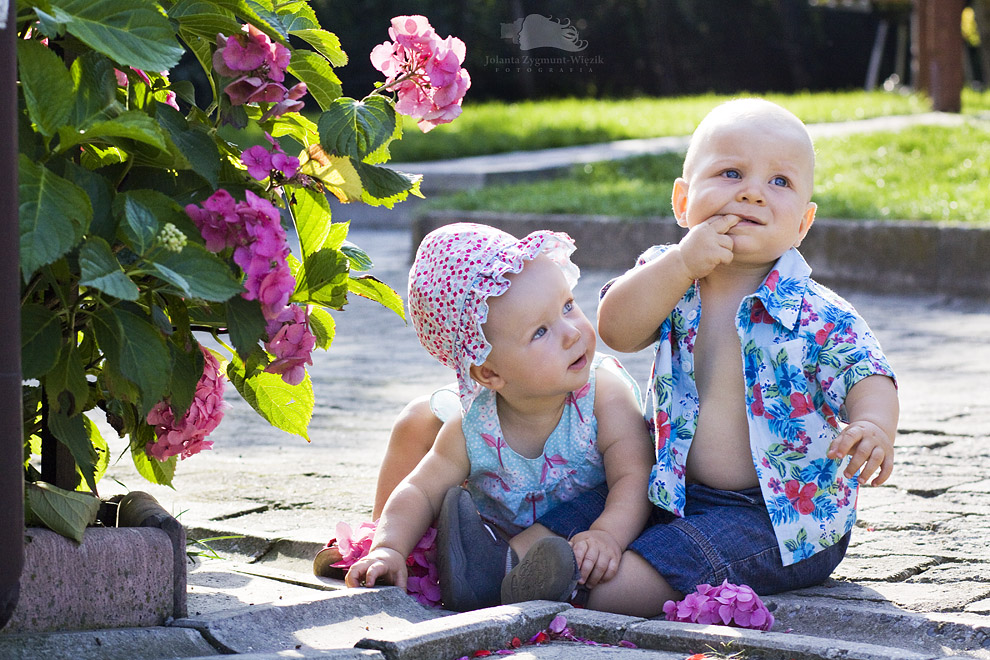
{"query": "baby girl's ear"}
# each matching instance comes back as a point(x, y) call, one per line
point(678, 201)
point(486, 377)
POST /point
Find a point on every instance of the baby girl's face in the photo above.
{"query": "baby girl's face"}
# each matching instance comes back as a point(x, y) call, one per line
point(542, 343)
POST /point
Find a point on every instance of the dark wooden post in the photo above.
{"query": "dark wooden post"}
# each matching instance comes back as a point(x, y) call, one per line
point(938, 52)
point(11, 427)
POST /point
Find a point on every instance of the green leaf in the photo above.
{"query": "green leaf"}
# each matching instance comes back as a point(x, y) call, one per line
point(359, 258)
point(321, 82)
point(65, 385)
point(374, 289)
point(54, 215)
point(100, 446)
point(261, 14)
point(204, 19)
point(72, 432)
point(133, 33)
point(312, 218)
point(382, 153)
point(203, 274)
point(155, 471)
point(141, 210)
point(62, 511)
point(47, 86)
point(356, 128)
point(326, 44)
point(135, 349)
point(385, 187)
point(323, 279)
point(195, 143)
point(323, 327)
point(94, 90)
point(187, 369)
point(132, 125)
point(101, 270)
point(245, 323)
point(297, 15)
point(100, 193)
point(41, 340)
point(284, 406)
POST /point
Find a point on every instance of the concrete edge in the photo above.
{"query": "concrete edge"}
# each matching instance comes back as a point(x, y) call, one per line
point(145, 643)
point(696, 638)
point(894, 256)
point(461, 634)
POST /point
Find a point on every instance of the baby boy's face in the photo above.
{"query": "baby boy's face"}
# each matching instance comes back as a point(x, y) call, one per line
point(760, 170)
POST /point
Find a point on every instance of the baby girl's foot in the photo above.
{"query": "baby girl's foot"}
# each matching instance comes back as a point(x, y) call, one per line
point(324, 560)
point(547, 572)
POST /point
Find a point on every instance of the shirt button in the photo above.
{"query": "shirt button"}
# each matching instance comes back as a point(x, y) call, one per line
point(692, 315)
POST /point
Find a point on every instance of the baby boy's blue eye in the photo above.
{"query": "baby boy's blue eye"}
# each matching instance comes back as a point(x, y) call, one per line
point(733, 174)
point(779, 181)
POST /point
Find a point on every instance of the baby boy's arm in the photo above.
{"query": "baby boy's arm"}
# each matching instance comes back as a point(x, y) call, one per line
point(624, 443)
point(872, 408)
point(637, 302)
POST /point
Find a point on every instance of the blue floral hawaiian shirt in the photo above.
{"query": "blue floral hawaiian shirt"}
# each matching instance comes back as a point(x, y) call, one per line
point(803, 348)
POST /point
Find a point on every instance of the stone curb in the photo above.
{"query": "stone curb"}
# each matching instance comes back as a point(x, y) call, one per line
point(694, 638)
point(273, 628)
point(103, 644)
point(461, 634)
point(882, 257)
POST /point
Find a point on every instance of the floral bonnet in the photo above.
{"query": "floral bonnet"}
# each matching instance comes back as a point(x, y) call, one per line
point(457, 267)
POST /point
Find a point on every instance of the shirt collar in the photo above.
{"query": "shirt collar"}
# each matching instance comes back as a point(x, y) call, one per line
point(782, 291)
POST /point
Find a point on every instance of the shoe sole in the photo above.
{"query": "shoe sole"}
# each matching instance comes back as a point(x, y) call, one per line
point(548, 572)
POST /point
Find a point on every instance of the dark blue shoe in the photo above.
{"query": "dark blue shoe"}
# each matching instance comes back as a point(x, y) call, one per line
point(547, 572)
point(472, 558)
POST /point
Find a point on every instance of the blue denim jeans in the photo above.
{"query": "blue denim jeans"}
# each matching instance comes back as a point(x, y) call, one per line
point(724, 535)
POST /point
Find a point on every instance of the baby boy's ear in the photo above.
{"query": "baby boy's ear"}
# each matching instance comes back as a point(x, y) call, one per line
point(678, 201)
point(807, 220)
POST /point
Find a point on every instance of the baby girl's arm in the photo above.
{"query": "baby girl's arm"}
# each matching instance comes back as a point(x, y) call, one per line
point(872, 407)
point(625, 445)
point(413, 505)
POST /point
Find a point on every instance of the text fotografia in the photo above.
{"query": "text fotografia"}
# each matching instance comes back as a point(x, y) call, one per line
point(530, 64)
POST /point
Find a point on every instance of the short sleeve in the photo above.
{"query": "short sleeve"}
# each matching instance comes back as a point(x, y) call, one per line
point(849, 353)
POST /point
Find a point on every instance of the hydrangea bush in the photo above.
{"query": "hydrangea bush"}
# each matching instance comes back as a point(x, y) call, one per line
point(148, 218)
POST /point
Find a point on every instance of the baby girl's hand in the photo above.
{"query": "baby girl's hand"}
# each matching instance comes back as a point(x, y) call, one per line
point(597, 555)
point(707, 246)
point(382, 564)
point(870, 448)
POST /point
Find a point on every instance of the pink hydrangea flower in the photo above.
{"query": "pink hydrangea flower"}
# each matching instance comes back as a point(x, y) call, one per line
point(727, 604)
point(261, 162)
point(353, 544)
point(292, 345)
point(257, 67)
point(187, 436)
point(423, 70)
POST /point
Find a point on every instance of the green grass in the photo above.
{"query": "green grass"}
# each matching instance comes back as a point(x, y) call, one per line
point(921, 173)
point(494, 127)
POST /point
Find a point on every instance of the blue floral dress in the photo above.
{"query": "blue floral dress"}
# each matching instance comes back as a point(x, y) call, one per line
point(513, 491)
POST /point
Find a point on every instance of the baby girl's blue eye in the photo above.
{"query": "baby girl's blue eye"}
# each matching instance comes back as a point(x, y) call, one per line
point(779, 181)
point(539, 333)
point(568, 306)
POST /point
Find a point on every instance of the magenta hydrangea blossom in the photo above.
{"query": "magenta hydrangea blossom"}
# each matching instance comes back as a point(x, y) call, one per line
point(261, 162)
point(292, 345)
point(187, 436)
point(257, 67)
point(423, 70)
point(727, 604)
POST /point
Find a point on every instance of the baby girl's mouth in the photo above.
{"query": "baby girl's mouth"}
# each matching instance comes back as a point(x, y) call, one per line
point(579, 363)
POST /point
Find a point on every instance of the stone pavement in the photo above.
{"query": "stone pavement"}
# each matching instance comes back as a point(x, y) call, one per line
point(915, 583)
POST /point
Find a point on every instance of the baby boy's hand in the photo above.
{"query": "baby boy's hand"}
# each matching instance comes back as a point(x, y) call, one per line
point(870, 448)
point(597, 555)
point(706, 245)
